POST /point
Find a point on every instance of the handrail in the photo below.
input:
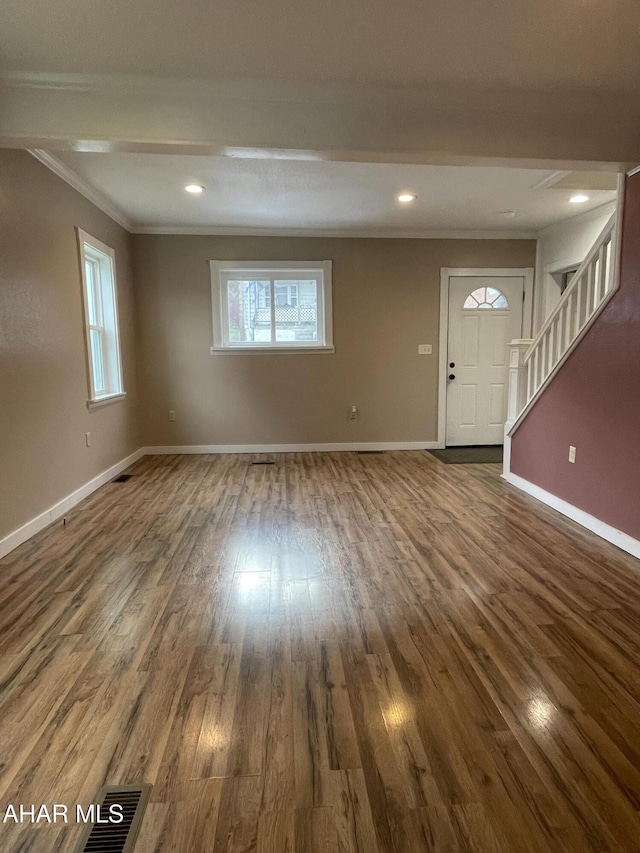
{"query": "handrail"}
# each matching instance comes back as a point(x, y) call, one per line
point(595, 281)
point(606, 231)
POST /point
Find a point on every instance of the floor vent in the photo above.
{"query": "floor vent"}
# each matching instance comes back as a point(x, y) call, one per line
point(263, 463)
point(129, 801)
point(368, 452)
point(122, 478)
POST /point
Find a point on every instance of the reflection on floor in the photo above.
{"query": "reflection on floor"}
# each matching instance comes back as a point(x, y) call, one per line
point(338, 652)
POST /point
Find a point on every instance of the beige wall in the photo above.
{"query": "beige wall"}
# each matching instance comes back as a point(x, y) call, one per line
point(385, 295)
point(385, 302)
point(43, 377)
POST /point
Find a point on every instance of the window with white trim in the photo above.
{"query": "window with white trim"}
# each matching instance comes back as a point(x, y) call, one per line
point(104, 368)
point(265, 305)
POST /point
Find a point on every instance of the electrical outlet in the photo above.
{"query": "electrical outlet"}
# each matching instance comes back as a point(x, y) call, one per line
point(172, 415)
point(353, 413)
point(425, 349)
point(87, 438)
point(572, 453)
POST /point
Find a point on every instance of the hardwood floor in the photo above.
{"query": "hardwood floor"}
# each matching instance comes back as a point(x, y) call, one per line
point(339, 652)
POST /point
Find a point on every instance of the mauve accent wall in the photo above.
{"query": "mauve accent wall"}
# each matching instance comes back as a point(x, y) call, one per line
point(593, 403)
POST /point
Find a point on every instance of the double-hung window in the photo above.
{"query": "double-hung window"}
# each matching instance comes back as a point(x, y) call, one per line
point(281, 306)
point(97, 265)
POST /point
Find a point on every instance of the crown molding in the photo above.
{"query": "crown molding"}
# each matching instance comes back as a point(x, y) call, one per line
point(89, 192)
point(194, 231)
point(114, 212)
point(82, 186)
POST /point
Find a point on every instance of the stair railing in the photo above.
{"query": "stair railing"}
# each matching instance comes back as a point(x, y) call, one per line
point(533, 366)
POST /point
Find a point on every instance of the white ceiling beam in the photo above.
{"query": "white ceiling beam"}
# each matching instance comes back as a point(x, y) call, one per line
point(438, 126)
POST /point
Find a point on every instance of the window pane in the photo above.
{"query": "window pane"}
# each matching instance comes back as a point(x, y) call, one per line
point(249, 311)
point(101, 310)
point(97, 361)
point(92, 308)
point(296, 311)
point(485, 297)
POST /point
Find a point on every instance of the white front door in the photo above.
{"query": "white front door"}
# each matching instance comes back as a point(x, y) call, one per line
point(485, 313)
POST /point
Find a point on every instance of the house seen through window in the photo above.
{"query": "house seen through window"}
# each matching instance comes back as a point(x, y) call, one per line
point(486, 297)
point(277, 307)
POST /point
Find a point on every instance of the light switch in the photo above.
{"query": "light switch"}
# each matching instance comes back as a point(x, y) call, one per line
point(425, 349)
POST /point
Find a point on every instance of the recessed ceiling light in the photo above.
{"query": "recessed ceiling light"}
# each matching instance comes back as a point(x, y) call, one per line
point(194, 189)
point(579, 198)
point(405, 198)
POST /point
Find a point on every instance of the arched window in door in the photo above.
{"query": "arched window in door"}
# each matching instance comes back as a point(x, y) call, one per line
point(486, 297)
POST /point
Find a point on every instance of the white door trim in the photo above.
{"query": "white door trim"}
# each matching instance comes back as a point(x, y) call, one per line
point(443, 341)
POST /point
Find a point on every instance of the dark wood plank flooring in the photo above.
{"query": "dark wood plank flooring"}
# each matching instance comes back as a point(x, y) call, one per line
point(339, 652)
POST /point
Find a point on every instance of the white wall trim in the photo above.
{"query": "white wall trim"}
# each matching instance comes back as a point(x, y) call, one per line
point(289, 448)
point(82, 186)
point(443, 339)
point(258, 350)
point(12, 540)
point(35, 525)
point(600, 528)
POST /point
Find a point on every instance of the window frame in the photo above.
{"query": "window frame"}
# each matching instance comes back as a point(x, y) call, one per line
point(321, 271)
point(102, 259)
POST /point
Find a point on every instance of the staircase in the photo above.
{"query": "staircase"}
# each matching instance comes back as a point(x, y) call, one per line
point(534, 363)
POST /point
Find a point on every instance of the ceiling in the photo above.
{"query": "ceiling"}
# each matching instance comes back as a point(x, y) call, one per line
point(317, 196)
point(533, 45)
point(420, 81)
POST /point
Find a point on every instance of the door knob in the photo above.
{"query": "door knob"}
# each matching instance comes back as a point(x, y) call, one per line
point(452, 376)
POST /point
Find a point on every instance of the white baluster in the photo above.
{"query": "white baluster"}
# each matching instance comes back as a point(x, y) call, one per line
point(593, 282)
point(603, 280)
point(592, 279)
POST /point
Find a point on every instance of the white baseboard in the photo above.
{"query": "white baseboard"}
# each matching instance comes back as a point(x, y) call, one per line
point(606, 531)
point(290, 448)
point(12, 540)
point(17, 537)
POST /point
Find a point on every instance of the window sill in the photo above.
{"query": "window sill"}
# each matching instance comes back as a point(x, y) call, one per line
point(269, 350)
point(104, 401)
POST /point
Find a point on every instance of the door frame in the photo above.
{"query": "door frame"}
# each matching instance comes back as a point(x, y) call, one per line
point(446, 273)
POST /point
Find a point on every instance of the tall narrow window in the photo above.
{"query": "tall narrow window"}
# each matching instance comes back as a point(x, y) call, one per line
point(282, 306)
point(97, 264)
